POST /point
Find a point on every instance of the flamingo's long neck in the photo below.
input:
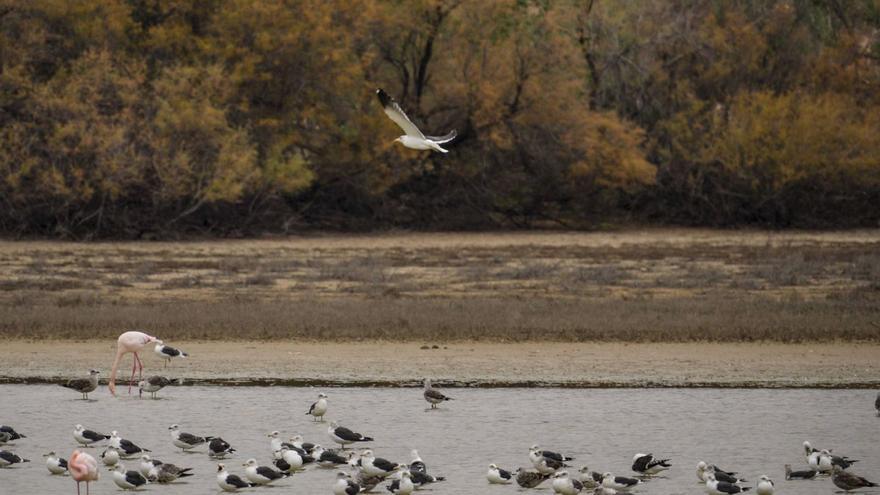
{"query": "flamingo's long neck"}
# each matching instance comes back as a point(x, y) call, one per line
point(112, 383)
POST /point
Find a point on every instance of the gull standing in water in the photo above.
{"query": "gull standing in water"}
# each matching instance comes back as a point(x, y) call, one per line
point(319, 408)
point(433, 396)
point(413, 139)
point(153, 385)
point(84, 385)
point(185, 440)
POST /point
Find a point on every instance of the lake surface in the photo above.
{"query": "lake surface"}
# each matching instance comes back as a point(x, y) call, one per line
point(754, 431)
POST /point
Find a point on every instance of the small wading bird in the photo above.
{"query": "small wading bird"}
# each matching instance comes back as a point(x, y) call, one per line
point(82, 467)
point(84, 385)
point(132, 342)
point(413, 139)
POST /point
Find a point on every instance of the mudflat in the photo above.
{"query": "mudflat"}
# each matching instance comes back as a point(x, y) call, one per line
point(838, 365)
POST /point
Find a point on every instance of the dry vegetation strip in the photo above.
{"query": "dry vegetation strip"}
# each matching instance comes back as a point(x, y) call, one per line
point(677, 285)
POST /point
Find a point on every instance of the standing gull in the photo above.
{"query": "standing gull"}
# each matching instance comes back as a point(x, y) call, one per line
point(87, 437)
point(343, 436)
point(167, 352)
point(8, 458)
point(83, 385)
point(432, 395)
point(848, 481)
point(153, 385)
point(498, 476)
point(55, 464)
point(318, 408)
point(647, 464)
point(185, 440)
point(413, 137)
point(230, 482)
point(288, 460)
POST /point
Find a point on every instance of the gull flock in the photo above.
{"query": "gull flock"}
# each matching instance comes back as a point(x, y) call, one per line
point(363, 471)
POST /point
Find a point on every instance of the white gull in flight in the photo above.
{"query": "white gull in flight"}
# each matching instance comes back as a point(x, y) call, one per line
point(413, 138)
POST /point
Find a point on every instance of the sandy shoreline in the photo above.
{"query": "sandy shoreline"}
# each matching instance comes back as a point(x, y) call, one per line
point(836, 365)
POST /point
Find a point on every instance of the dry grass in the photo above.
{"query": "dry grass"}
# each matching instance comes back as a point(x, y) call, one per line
point(659, 285)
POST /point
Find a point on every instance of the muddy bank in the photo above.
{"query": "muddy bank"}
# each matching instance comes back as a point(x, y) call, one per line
point(843, 365)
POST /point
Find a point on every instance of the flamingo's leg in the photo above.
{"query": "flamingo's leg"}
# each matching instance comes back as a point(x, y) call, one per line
point(140, 367)
point(77, 488)
point(133, 368)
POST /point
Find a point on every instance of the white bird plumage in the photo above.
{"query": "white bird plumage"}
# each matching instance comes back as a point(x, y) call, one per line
point(413, 137)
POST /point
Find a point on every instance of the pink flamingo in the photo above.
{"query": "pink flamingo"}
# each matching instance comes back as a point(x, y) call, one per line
point(129, 342)
point(82, 467)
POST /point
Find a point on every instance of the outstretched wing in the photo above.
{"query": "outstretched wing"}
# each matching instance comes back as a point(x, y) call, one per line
point(443, 139)
point(395, 113)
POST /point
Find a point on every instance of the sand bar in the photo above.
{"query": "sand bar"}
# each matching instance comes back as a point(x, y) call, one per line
point(845, 365)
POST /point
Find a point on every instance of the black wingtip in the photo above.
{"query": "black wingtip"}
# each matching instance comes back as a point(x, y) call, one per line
point(384, 99)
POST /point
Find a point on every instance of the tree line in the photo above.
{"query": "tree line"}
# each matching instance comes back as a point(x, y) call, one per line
point(138, 118)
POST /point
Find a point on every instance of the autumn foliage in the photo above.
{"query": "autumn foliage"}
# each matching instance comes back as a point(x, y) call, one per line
point(140, 118)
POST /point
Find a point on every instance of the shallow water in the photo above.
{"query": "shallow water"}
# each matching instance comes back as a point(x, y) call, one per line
point(751, 431)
